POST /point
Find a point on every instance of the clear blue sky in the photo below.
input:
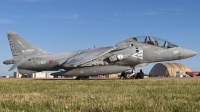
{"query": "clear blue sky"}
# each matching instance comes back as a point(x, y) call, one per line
point(60, 26)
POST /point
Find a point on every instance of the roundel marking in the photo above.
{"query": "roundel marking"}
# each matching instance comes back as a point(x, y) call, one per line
point(50, 61)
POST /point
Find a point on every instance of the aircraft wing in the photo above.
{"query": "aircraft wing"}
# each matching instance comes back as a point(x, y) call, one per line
point(86, 56)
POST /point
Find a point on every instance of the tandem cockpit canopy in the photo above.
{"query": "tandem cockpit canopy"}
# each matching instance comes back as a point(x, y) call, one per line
point(152, 41)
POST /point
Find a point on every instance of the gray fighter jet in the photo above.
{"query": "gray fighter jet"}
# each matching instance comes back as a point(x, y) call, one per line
point(126, 55)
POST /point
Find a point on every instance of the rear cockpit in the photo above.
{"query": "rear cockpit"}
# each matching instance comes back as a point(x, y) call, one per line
point(149, 40)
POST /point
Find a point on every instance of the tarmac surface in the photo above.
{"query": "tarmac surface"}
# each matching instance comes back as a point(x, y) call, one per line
point(146, 78)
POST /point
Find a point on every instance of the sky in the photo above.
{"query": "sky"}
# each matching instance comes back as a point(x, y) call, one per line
point(59, 26)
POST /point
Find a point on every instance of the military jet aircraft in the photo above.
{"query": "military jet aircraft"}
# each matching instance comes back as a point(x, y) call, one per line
point(126, 55)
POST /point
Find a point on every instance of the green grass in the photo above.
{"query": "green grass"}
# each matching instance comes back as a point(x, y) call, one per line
point(100, 95)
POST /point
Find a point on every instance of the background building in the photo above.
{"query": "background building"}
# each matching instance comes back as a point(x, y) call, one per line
point(33, 75)
point(168, 69)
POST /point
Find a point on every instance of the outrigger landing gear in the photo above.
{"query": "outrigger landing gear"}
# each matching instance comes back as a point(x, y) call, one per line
point(82, 77)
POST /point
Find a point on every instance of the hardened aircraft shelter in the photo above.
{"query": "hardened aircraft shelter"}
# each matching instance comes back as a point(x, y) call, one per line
point(168, 69)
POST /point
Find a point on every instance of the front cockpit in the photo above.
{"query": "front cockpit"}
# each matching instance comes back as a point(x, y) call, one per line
point(148, 40)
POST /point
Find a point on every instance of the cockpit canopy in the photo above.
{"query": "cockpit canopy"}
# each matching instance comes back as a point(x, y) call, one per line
point(150, 40)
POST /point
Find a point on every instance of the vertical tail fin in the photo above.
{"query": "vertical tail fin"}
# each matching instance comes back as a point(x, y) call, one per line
point(20, 47)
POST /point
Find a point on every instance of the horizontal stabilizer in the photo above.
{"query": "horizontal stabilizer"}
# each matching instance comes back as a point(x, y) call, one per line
point(19, 63)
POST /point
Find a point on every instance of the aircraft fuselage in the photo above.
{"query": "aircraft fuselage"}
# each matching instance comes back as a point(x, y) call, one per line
point(128, 54)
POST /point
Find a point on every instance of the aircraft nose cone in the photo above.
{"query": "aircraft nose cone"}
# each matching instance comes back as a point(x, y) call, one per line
point(189, 53)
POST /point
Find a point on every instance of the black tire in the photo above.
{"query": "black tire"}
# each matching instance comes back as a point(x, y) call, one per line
point(82, 78)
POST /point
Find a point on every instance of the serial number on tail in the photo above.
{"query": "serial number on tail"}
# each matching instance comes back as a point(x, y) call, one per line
point(28, 50)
